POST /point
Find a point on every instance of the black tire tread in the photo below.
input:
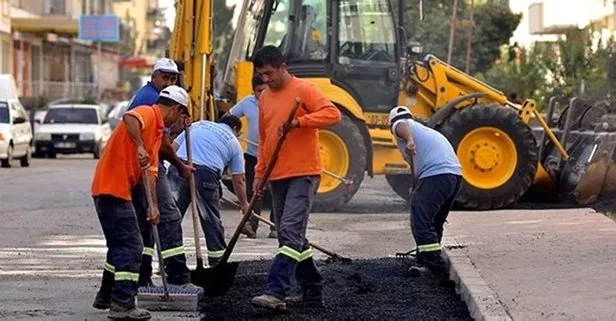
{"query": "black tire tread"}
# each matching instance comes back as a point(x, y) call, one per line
point(337, 198)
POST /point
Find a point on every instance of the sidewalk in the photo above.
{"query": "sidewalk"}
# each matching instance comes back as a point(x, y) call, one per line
point(534, 265)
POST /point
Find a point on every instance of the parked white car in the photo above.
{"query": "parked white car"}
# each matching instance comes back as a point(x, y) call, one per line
point(72, 129)
point(15, 133)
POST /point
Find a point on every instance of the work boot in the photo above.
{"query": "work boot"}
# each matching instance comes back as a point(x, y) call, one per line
point(308, 298)
point(269, 302)
point(102, 301)
point(249, 231)
point(273, 234)
point(118, 312)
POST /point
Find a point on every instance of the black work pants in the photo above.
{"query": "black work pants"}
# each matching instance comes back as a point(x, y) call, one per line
point(291, 204)
point(124, 246)
point(430, 205)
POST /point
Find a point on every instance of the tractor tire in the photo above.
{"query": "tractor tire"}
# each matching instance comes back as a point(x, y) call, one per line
point(343, 152)
point(498, 154)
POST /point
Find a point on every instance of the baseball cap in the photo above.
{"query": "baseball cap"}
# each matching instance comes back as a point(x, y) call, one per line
point(175, 93)
point(166, 65)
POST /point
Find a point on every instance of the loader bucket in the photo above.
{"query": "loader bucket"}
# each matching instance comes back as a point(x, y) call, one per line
point(596, 172)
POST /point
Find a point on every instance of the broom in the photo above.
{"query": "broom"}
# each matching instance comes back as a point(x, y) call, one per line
point(165, 298)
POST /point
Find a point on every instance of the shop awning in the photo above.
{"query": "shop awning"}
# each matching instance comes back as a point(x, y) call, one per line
point(139, 62)
point(49, 24)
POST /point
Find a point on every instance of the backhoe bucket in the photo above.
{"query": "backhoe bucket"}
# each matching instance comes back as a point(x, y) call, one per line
point(594, 170)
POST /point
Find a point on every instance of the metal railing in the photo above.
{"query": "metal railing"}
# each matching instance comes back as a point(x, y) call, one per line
point(56, 89)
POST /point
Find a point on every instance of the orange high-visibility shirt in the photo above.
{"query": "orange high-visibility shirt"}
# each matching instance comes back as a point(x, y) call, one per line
point(299, 154)
point(118, 170)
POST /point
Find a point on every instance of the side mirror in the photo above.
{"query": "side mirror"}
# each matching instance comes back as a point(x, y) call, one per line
point(414, 48)
point(38, 121)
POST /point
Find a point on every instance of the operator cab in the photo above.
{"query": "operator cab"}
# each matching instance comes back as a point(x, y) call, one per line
point(352, 43)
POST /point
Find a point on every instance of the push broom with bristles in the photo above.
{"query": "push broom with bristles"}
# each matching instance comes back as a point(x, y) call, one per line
point(165, 298)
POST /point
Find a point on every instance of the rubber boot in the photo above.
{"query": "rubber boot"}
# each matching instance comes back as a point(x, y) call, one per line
point(117, 312)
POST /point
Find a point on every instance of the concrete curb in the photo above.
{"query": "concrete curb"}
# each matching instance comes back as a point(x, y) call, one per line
point(482, 302)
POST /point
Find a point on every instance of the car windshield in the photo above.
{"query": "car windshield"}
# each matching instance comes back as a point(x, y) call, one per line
point(67, 115)
point(4, 113)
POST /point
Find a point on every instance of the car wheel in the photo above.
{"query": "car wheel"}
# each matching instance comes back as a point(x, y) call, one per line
point(9, 157)
point(97, 150)
point(51, 154)
point(25, 160)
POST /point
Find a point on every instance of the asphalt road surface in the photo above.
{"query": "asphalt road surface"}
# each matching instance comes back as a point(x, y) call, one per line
point(52, 252)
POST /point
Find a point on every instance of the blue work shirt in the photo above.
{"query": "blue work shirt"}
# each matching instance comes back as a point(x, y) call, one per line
point(146, 95)
point(249, 107)
point(214, 145)
point(434, 155)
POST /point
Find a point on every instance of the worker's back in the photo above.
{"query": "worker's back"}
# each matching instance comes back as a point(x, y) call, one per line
point(213, 145)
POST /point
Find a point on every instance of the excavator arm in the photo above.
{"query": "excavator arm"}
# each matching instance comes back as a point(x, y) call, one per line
point(191, 46)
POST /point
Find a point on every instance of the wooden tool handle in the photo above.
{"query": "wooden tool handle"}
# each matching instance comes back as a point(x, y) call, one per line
point(148, 193)
point(270, 166)
point(193, 198)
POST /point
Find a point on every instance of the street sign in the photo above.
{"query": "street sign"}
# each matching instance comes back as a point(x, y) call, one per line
point(105, 28)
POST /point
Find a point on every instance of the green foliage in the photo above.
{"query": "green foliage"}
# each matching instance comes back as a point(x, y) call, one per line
point(494, 24)
point(578, 61)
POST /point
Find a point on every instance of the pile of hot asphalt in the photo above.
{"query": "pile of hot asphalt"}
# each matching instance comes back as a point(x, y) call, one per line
point(376, 289)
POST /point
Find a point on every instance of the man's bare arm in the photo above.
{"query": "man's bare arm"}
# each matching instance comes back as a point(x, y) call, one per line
point(403, 130)
point(239, 186)
point(133, 126)
point(167, 153)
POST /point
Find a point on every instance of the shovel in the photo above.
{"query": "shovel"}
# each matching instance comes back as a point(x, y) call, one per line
point(199, 273)
point(218, 279)
point(331, 254)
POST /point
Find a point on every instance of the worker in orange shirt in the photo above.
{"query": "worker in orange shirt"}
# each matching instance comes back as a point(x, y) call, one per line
point(294, 179)
point(117, 173)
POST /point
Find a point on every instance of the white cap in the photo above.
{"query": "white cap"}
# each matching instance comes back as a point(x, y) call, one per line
point(175, 93)
point(398, 113)
point(166, 65)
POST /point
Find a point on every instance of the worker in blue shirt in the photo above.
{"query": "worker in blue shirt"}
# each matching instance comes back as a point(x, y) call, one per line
point(249, 107)
point(164, 74)
point(214, 147)
point(439, 176)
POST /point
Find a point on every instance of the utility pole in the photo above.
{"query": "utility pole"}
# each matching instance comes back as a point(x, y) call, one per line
point(452, 31)
point(469, 44)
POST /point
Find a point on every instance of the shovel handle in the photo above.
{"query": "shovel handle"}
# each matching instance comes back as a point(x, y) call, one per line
point(270, 166)
point(148, 193)
point(193, 197)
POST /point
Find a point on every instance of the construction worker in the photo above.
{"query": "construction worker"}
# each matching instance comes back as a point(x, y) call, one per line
point(249, 107)
point(439, 177)
point(294, 179)
point(133, 146)
point(164, 74)
point(214, 147)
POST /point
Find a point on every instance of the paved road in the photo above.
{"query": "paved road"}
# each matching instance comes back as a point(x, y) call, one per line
point(52, 248)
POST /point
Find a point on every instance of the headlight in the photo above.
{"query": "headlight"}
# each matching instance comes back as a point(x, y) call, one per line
point(86, 136)
point(43, 136)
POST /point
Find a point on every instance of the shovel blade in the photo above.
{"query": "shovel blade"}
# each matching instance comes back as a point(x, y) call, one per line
point(215, 280)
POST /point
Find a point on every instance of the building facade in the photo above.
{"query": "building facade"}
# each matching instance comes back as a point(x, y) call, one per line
point(48, 59)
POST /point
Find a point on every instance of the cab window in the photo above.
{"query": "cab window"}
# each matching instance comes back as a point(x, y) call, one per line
point(309, 29)
point(366, 32)
point(4, 113)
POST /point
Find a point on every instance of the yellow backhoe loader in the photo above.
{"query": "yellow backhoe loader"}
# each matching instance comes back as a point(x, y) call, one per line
point(356, 53)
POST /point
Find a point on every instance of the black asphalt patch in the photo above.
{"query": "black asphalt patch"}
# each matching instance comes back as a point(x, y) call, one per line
point(363, 290)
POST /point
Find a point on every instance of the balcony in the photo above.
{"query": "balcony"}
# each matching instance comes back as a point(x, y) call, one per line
point(49, 16)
